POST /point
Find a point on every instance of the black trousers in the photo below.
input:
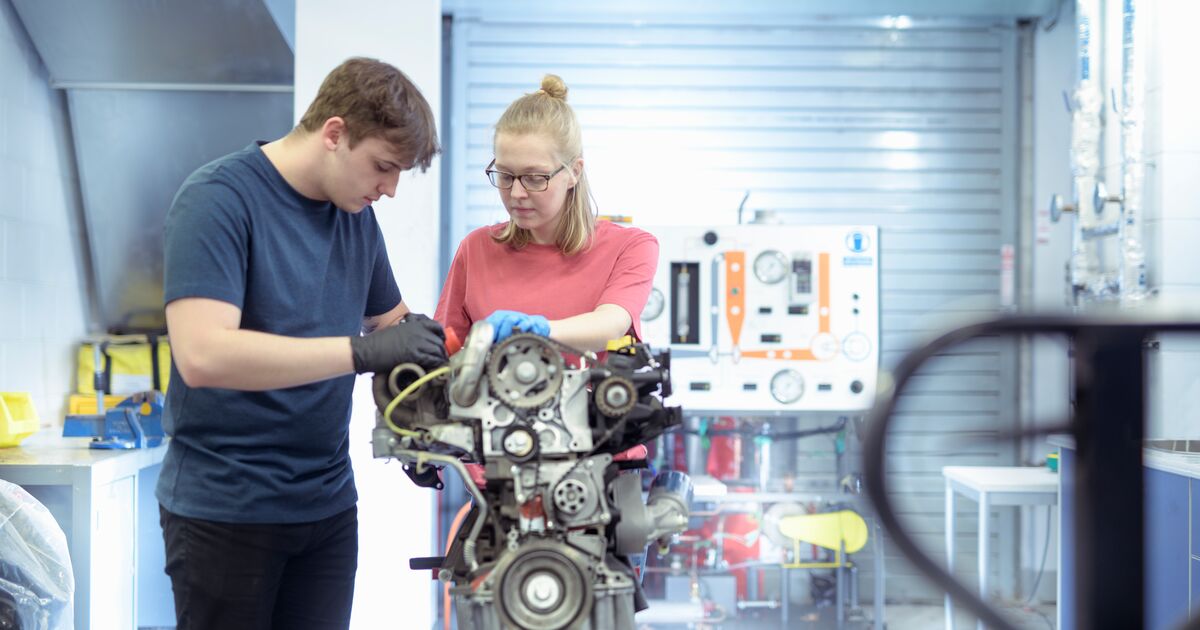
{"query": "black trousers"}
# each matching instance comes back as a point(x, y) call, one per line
point(234, 576)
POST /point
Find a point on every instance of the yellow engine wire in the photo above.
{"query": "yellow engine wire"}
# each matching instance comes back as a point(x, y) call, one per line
point(387, 412)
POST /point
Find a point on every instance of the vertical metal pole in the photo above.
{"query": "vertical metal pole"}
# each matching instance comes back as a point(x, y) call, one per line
point(719, 562)
point(854, 586)
point(949, 516)
point(752, 576)
point(982, 547)
point(784, 593)
point(880, 590)
point(693, 446)
point(763, 441)
point(841, 587)
point(1109, 416)
point(99, 377)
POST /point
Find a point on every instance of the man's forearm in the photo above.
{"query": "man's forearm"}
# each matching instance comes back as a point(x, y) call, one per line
point(256, 361)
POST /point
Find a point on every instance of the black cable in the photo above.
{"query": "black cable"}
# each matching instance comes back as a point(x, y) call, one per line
point(1020, 434)
point(875, 479)
point(595, 447)
point(874, 451)
point(837, 427)
point(774, 435)
point(1191, 624)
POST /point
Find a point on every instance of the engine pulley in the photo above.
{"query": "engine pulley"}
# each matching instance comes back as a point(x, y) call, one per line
point(615, 396)
point(544, 585)
point(520, 443)
point(525, 371)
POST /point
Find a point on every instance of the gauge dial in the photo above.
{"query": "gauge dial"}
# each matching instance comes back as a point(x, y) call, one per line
point(856, 346)
point(654, 305)
point(824, 346)
point(771, 266)
point(787, 386)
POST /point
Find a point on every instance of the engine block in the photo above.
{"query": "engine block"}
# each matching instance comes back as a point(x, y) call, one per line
point(546, 542)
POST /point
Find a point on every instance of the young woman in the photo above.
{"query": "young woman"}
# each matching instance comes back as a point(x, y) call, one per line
point(552, 268)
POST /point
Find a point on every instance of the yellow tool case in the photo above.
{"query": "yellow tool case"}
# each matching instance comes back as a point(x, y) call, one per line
point(132, 363)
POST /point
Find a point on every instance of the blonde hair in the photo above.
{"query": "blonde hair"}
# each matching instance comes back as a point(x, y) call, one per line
point(546, 112)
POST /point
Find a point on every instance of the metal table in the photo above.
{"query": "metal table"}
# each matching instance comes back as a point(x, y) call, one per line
point(992, 486)
point(94, 495)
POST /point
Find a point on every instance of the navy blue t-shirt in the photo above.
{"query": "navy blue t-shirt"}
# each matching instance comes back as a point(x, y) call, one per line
point(239, 233)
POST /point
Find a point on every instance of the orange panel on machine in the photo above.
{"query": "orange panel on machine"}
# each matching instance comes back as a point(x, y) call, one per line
point(735, 293)
point(799, 354)
point(823, 296)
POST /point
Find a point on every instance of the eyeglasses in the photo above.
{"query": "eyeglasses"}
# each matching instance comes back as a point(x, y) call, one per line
point(532, 182)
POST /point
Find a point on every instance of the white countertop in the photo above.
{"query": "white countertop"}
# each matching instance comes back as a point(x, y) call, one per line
point(1185, 464)
point(49, 456)
point(1004, 478)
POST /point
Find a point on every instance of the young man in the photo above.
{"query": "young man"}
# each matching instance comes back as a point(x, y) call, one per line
point(274, 266)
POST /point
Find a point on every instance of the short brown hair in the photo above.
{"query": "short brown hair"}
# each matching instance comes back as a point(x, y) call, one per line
point(376, 100)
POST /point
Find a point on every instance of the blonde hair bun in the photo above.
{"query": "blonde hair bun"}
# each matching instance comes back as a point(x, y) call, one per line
point(553, 86)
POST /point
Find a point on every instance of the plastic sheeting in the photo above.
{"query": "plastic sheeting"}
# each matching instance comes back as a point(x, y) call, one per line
point(37, 586)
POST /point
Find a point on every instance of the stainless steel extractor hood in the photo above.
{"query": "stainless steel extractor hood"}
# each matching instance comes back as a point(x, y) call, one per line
point(154, 90)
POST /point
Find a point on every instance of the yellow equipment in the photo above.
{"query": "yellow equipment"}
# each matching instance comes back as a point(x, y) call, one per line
point(839, 531)
point(616, 344)
point(85, 404)
point(130, 364)
point(18, 418)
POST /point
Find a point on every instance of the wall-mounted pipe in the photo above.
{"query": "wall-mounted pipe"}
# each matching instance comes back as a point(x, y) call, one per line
point(1133, 167)
point(1086, 103)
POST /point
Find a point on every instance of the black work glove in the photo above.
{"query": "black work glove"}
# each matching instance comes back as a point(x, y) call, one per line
point(415, 339)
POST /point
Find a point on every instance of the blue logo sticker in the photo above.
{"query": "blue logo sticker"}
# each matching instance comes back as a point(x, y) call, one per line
point(858, 242)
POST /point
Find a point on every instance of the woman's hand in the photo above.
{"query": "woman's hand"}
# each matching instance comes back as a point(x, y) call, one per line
point(505, 323)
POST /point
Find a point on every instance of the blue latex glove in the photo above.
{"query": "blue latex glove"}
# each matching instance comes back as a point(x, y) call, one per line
point(505, 323)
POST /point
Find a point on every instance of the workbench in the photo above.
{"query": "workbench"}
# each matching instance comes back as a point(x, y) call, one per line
point(104, 502)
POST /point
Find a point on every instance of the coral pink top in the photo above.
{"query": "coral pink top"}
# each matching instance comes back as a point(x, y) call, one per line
point(487, 276)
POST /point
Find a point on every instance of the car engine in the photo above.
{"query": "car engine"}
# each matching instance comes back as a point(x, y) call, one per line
point(546, 544)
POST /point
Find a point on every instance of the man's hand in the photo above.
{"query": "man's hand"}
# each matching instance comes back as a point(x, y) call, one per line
point(414, 339)
point(506, 322)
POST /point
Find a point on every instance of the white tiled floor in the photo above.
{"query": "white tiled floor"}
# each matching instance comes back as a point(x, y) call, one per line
point(918, 617)
point(896, 617)
point(907, 617)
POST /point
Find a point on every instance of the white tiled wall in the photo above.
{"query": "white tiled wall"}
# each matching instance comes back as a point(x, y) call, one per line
point(42, 304)
point(1173, 217)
